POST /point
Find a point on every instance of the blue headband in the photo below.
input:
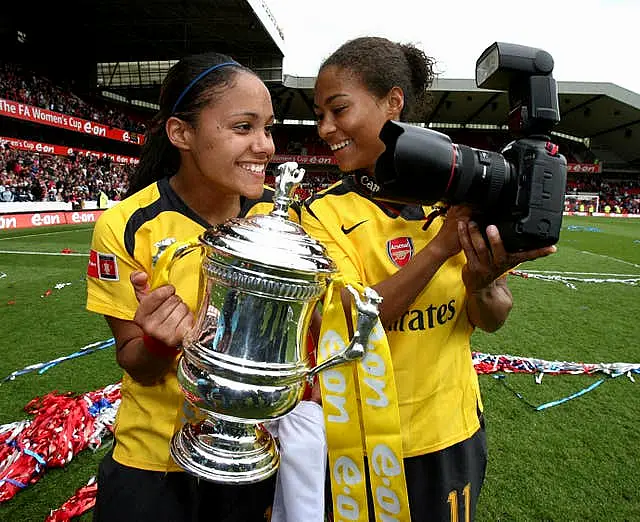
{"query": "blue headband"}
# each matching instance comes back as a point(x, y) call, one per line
point(197, 79)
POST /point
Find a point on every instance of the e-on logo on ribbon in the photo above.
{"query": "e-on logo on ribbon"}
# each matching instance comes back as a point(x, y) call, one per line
point(400, 250)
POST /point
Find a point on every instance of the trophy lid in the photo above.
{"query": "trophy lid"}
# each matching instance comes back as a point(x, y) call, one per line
point(271, 240)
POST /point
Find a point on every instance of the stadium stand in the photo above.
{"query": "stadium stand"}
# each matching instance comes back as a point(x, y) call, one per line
point(117, 85)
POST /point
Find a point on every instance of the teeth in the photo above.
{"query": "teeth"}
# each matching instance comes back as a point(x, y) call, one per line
point(253, 167)
point(340, 145)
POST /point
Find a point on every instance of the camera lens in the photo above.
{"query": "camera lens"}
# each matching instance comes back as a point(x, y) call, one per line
point(424, 166)
point(479, 178)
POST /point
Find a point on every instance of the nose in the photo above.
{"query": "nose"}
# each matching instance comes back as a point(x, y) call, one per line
point(263, 144)
point(326, 126)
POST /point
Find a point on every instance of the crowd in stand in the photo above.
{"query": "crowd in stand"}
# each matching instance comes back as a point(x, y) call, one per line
point(311, 183)
point(616, 196)
point(30, 176)
point(302, 141)
point(21, 85)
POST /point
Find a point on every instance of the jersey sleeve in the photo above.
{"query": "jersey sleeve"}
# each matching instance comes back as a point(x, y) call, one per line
point(109, 290)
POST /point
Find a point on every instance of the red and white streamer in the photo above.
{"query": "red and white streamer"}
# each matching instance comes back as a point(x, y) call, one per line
point(62, 426)
point(568, 280)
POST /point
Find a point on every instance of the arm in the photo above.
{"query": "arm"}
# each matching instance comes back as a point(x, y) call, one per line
point(403, 287)
point(161, 314)
point(484, 276)
point(489, 307)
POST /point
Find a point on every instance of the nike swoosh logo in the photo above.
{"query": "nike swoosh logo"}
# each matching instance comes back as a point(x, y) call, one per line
point(351, 229)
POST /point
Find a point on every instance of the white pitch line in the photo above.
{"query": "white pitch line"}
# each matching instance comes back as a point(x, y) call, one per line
point(42, 253)
point(579, 273)
point(609, 257)
point(45, 233)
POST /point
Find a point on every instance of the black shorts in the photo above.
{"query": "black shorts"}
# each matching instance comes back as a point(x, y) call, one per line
point(443, 486)
point(134, 495)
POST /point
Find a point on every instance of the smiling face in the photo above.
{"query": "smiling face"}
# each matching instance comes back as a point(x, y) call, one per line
point(231, 144)
point(350, 117)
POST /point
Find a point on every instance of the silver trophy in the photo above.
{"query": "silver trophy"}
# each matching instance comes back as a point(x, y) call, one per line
point(245, 361)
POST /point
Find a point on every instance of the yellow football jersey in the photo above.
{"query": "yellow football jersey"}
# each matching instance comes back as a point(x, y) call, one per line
point(130, 236)
point(369, 241)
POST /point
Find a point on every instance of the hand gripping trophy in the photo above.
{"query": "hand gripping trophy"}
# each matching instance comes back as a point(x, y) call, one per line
point(245, 362)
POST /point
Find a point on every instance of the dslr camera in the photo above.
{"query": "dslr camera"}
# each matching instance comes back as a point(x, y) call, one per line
point(521, 189)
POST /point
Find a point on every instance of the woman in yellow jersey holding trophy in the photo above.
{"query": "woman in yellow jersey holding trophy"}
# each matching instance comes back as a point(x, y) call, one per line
point(203, 162)
point(439, 279)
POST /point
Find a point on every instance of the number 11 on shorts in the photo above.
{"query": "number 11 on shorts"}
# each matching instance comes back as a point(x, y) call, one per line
point(453, 504)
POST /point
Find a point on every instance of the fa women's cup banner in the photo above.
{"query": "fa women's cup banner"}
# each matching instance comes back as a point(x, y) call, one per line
point(21, 111)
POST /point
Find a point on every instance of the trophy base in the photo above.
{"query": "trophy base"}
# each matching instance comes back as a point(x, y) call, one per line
point(226, 452)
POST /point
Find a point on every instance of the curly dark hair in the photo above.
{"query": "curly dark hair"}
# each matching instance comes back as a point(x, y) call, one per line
point(382, 64)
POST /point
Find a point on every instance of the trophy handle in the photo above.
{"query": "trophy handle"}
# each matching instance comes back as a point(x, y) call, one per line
point(367, 317)
point(175, 251)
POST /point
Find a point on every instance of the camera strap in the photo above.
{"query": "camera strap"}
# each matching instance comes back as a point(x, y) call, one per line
point(361, 413)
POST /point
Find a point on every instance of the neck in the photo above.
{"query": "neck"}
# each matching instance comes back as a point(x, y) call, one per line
point(214, 206)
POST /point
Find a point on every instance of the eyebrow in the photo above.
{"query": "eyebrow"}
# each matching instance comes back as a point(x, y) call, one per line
point(331, 98)
point(247, 113)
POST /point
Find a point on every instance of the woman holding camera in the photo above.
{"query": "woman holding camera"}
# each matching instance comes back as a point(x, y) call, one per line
point(438, 277)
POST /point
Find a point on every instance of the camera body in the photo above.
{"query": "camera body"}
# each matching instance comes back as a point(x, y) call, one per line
point(520, 190)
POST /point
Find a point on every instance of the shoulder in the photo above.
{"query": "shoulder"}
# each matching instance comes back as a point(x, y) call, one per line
point(340, 194)
point(122, 212)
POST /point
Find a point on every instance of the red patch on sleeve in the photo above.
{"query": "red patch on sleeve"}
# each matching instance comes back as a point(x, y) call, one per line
point(92, 269)
point(103, 266)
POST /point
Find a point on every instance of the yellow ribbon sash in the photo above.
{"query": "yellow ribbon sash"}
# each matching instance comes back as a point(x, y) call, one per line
point(361, 414)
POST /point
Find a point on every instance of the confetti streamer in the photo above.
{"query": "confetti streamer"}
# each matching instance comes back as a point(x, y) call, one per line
point(62, 426)
point(492, 364)
point(487, 363)
point(44, 366)
point(567, 280)
point(82, 501)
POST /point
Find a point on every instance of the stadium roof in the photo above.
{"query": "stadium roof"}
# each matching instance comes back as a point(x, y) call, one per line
point(126, 30)
point(606, 114)
point(73, 36)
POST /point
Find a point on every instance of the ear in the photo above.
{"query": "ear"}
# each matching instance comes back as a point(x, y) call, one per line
point(179, 133)
point(395, 102)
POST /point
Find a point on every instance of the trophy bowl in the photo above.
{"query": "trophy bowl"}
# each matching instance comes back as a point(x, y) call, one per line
point(245, 362)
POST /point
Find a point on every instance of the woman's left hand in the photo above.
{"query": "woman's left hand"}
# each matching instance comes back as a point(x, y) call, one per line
point(488, 260)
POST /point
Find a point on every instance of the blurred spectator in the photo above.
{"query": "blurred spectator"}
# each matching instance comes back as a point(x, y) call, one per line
point(5, 194)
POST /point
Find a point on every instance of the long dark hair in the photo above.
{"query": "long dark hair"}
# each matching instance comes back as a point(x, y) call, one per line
point(182, 97)
point(382, 64)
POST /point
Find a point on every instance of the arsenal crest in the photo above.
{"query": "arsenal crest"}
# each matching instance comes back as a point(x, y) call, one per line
point(400, 250)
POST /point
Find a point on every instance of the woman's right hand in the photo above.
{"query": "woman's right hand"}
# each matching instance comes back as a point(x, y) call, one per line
point(161, 313)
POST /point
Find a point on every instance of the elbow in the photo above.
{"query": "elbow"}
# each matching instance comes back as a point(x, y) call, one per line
point(139, 371)
point(490, 317)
